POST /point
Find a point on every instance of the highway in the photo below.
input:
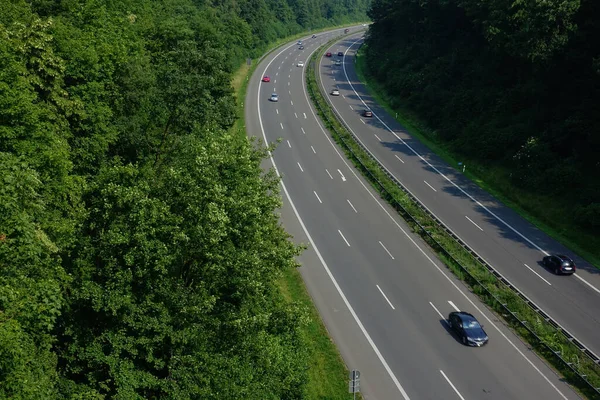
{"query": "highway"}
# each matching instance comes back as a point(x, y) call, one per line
point(382, 294)
point(507, 242)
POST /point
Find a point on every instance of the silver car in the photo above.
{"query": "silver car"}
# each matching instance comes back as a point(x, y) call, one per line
point(274, 97)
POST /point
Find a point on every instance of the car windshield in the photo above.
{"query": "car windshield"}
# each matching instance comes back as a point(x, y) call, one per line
point(471, 324)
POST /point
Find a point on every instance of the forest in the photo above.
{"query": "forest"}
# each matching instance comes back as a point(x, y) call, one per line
point(511, 84)
point(139, 237)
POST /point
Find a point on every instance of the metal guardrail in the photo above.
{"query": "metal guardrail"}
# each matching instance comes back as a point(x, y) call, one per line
point(595, 391)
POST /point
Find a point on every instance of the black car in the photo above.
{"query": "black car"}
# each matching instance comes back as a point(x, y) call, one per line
point(467, 328)
point(340, 54)
point(367, 113)
point(560, 264)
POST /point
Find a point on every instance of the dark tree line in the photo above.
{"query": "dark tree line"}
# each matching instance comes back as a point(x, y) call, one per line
point(139, 245)
point(512, 84)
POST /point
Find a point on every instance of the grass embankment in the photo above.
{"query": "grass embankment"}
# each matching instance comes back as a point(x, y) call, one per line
point(541, 335)
point(548, 214)
point(327, 373)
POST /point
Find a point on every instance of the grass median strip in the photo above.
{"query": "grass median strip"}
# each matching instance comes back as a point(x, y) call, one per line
point(579, 370)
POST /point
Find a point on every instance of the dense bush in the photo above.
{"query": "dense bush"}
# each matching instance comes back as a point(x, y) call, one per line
point(507, 83)
point(139, 244)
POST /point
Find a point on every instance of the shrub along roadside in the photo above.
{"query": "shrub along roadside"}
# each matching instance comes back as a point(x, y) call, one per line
point(577, 367)
point(327, 372)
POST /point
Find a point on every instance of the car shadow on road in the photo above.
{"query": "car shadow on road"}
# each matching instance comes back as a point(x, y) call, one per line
point(449, 330)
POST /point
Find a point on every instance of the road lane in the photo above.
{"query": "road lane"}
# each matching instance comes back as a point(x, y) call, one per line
point(571, 302)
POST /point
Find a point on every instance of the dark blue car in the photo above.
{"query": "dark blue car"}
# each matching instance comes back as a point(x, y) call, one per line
point(467, 328)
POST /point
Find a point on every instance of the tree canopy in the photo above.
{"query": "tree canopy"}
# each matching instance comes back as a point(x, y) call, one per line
point(139, 241)
point(510, 83)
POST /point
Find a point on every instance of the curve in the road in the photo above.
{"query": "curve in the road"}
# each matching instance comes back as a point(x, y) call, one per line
point(312, 242)
point(390, 281)
point(575, 309)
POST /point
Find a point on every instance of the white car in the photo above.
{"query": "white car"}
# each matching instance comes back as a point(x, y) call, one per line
point(335, 92)
point(301, 63)
point(274, 97)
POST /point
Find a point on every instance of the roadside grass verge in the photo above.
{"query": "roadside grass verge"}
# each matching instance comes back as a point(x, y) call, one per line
point(549, 214)
point(578, 369)
point(327, 372)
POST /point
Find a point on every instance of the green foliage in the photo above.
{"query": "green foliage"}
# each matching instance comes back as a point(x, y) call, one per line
point(140, 248)
point(30, 286)
point(508, 84)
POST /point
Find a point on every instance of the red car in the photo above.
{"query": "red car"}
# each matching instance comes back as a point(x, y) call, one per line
point(328, 54)
point(266, 79)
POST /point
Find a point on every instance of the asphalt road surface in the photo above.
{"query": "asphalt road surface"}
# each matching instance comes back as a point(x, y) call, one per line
point(509, 243)
point(382, 294)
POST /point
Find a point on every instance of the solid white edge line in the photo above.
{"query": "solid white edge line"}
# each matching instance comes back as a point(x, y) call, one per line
point(453, 306)
point(318, 198)
point(431, 187)
point(538, 275)
point(451, 385)
point(473, 222)
point(351, 205)
point(343, 237)
point(587, 283)
point(423, 252)
point(386, 250)
point(318, 253)
point(386, 298)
